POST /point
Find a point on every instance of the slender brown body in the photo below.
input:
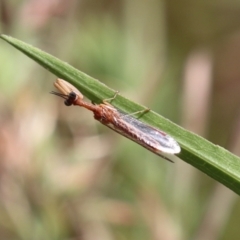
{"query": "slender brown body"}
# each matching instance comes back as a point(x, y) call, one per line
point(131, 128)
point(151, 138)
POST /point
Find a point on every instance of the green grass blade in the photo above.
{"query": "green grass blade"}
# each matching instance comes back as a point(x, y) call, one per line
point(213, 160)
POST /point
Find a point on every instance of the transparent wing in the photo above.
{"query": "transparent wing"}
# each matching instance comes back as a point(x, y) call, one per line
point(159, 139)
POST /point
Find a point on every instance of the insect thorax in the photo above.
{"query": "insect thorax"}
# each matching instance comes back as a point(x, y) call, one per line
point(106, 114)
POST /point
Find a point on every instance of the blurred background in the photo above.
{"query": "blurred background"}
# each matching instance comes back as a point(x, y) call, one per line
point(62, 174)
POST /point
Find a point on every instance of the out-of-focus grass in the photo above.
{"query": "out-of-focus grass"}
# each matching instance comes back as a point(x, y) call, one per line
point(64, 176)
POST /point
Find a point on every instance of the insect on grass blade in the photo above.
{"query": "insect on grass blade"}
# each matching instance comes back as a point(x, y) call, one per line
point(149, 137)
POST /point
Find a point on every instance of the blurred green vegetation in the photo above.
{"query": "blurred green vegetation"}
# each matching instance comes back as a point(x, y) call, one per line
point(62, 174)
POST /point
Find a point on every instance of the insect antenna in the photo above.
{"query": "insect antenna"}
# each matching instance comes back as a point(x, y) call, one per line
point(64, 96)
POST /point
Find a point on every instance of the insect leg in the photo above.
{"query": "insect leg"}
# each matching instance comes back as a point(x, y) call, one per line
point(166, 158)
point(106, 101)
point(141, 112)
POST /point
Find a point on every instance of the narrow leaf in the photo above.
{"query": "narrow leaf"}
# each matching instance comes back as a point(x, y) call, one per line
point(211, 159)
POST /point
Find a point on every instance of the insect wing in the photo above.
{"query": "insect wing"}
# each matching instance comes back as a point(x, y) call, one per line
point(151, 136)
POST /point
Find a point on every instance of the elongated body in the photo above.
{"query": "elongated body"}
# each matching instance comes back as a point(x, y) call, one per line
point(151, 138)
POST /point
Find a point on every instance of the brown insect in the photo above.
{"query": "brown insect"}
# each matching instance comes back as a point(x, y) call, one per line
point(149, 137)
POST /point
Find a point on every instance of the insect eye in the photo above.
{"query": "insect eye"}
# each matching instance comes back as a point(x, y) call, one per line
point(67, 103)
point(72, 95)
